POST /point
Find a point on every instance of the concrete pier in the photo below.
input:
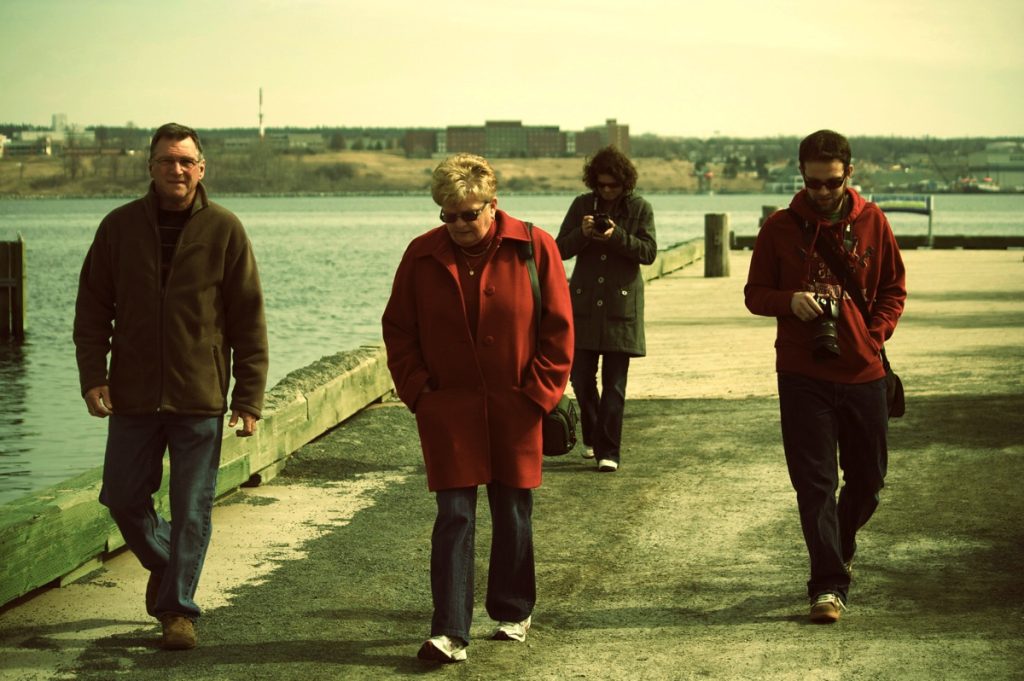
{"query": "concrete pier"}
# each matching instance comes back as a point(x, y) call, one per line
point(687, 563)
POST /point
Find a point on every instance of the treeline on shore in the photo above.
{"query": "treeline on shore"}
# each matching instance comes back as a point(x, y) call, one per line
point(720, 164)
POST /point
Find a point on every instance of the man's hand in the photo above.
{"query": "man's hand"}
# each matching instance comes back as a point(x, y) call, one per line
point(804, 306)
point(248, 423)
point(98, 401)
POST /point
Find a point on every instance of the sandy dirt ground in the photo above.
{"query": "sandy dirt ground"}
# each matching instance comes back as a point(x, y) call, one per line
point(686, 564)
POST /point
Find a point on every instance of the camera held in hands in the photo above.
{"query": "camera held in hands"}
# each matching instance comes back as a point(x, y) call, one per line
point(601, 222)
point(826, 329)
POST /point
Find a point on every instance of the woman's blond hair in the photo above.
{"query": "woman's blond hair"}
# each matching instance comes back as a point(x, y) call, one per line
point(462, 176)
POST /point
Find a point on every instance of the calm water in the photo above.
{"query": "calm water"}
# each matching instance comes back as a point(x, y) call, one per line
point(326, 265)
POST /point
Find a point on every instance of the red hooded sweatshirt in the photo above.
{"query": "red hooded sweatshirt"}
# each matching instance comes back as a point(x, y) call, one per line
point(785, 261)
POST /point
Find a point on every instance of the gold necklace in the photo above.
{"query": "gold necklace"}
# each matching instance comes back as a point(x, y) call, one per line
point(471, 264)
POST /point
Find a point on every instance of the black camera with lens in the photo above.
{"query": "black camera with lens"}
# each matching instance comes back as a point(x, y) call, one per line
point(826, 329)
point(601, 222)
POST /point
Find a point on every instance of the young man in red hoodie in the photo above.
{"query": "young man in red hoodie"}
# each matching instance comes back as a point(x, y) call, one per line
point(830, 373)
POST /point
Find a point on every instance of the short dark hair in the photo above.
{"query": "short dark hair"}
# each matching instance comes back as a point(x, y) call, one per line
point(610, 161)
point(825, 145)
point(176, 132)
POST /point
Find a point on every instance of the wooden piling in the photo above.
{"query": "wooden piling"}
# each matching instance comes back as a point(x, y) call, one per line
point(12, 289)
point(716, 245)
point(766, 212)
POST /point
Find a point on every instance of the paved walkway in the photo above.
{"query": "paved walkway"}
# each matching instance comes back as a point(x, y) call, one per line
point(687, 563)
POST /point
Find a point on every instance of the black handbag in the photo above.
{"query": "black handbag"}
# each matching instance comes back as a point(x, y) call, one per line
point(833, 257)
point(559, 425)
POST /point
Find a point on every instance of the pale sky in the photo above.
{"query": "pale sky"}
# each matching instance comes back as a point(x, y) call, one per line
point(745, 68)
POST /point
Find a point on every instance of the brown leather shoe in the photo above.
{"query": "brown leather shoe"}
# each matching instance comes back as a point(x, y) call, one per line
point(179, 632)
point(826, 608)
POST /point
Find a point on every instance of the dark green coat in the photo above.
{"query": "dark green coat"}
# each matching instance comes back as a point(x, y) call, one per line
point(606, 286)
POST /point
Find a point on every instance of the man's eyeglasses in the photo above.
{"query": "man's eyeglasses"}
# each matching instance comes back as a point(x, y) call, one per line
point(466, 215)
point(168, 162)
point(608, 185)
point(831, 183)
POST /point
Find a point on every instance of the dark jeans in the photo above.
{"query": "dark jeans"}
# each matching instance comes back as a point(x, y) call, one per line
point(132, 470)
point(511, 582)
point(601, 414)
point(818, 416)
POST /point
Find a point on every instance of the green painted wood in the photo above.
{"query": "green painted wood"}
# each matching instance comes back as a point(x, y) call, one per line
point(47, 537)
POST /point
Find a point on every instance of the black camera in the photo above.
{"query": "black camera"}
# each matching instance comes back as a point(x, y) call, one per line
point(826, 329)
point(601, 222)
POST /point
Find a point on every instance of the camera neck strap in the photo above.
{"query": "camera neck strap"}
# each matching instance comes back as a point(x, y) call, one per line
point(835, 256)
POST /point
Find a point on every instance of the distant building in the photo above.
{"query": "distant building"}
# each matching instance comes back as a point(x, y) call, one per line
point(40, 146)
point(593, 138)
point(47, 142)
point(309, 142)
point(1003, 162)
point(512, 139)
point(422, 143)
point(466, 139)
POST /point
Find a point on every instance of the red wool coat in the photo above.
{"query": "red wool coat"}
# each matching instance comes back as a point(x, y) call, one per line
point(481, 420)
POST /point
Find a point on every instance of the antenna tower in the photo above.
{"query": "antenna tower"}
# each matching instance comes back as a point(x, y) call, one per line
point(261, 114)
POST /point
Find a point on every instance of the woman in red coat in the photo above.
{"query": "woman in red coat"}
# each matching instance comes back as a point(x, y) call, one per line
point(467, 358)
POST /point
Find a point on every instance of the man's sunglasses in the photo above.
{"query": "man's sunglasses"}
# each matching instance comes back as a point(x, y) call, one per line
point(466, 215)
point(608, 185)
point(831, 183)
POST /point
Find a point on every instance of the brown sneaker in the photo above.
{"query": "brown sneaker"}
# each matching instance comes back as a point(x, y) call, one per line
point(179, 632)
point(826, 608)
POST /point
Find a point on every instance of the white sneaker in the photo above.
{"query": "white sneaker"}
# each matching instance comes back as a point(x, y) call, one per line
point(588, 453)
point(442, 649)
point(607, 465)
point(512, 631)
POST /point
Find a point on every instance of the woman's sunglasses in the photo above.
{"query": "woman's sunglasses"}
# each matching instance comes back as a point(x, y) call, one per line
point(466, 215)
point(831, 183)
point(608, 185)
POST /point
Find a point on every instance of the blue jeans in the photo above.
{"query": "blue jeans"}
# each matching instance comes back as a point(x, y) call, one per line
point(817, 417)
point(511, 580)
point(133, 466)
point(601, 414)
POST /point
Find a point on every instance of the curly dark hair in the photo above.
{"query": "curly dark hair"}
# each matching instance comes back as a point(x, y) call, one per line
point(825, 145)
point(610, 161)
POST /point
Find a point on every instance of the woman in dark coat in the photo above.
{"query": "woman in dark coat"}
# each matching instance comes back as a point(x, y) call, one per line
point(610, 231)
point(468, 359)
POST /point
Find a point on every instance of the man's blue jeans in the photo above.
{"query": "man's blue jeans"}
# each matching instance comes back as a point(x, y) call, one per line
point(132, 470)
point(817, 417)
point(511, 580)
point(601, 413)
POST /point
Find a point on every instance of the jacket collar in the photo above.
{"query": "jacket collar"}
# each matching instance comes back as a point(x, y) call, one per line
point(802, 205)
point(437, 242)
point(152, 201)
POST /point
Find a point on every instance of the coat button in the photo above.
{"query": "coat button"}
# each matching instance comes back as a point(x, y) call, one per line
point(489, 291)
point(600, 303)
point(488, 340)
point(625, 292)
point(600, 280)
point(604, 256)
point(579, 290)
